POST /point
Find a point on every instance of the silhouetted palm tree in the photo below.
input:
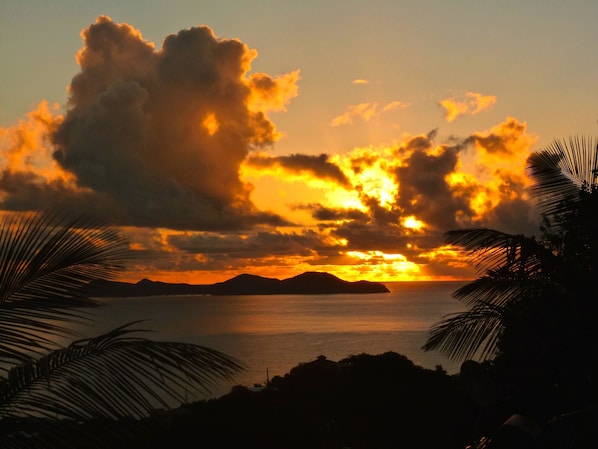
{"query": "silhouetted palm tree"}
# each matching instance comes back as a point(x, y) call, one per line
point(518, 268)
point(532, 312)
point(47, 264)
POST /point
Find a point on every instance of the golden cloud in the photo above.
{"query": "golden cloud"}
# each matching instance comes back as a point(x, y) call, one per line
point(158, 136)
point(470, 104)
point(365, 112)
point(25, 147)
point(272, 94)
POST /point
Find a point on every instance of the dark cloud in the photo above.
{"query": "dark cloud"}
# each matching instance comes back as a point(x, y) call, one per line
point(322, 213)
point(362, 236)
point(317, 166)
point(514, 213)
point(160, 135)
point(259, 244)
point(502, 140)
point(515, 216)
point(423, 187)
point(379, 215)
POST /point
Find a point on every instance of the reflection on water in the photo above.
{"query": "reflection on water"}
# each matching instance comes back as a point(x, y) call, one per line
point(271, 334)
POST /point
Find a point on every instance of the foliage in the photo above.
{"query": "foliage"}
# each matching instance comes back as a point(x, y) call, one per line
point(367, 401)
point(47, 263)
point(532, 310)
point(521, 272)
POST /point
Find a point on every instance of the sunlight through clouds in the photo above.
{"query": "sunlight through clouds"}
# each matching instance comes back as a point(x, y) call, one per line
point(173, 143)
point(404, 196)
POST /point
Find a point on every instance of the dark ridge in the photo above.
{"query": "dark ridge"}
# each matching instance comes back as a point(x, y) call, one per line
point(313, 283)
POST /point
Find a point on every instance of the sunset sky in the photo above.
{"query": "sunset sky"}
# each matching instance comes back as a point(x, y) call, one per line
point(277, 137)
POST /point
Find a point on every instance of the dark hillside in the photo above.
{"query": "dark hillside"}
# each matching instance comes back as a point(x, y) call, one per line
point(363, 401)
point(244, 284)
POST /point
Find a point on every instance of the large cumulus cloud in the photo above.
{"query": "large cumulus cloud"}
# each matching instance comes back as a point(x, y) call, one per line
point(158, 136)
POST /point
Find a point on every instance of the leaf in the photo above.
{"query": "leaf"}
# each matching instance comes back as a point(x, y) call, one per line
point(46, 262)
point(115, 375)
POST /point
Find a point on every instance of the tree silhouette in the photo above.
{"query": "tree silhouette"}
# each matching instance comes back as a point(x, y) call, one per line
point(532, 311)
point(47, 264)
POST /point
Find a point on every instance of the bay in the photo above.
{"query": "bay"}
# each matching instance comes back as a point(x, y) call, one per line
point(270, 334)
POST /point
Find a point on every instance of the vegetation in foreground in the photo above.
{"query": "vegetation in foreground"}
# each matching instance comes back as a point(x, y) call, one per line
point(363, 401)
point(532, 313)
point(47, 262)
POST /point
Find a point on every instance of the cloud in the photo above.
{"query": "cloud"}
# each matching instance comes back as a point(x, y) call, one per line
point(506, 140)
point(470, 103)
point(157, 139)
point(273, 94)
point(29, 176)
point(424, 190)
point(247, 246)
point(394, 105)
point(322, 213)
point(158, 135)
point(365, 112)
point(444, 184)
point(500, 158)
point(256, 252)
point(448, 185)
point(24, 147)
point(317, 166)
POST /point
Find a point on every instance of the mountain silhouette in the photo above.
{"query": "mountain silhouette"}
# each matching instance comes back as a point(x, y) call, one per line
point(309, 283)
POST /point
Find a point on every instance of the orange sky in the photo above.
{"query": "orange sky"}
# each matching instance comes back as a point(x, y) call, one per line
point(178, 144)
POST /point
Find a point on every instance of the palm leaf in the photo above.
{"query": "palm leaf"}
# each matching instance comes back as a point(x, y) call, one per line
point(465, 335)
point(115, 375)
point(562, 170)
point(514, 267)
point(46, 262)
point(499, 252)
point(490, 289)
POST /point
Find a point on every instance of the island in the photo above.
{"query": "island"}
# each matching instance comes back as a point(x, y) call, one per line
point(308, 283)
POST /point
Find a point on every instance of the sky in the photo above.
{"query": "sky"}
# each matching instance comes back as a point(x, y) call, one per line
point(278, 137)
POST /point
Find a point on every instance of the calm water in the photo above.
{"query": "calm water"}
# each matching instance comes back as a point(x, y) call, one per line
point(271, 334)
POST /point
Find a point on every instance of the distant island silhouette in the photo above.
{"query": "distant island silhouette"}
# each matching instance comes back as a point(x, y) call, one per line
point(309, 283)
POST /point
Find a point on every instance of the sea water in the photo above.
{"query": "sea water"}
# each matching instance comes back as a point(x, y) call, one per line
point(270, 334)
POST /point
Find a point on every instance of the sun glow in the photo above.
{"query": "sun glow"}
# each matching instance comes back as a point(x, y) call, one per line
point(375, 255)
point(345, 199)
point(368, 170)
point(210, 123)
point(413, 223)
point(376, 183)
point(383, 266)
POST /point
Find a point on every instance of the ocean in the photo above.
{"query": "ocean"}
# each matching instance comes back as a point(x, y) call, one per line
point(270, 334)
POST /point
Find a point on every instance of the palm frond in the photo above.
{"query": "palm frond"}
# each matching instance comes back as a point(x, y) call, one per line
point(515, 267)
point(490, 289)
point(30, 331)
point(562, 170)
point(46, 262)
point(514, 255)
point(115, 375)
point(465, 335)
